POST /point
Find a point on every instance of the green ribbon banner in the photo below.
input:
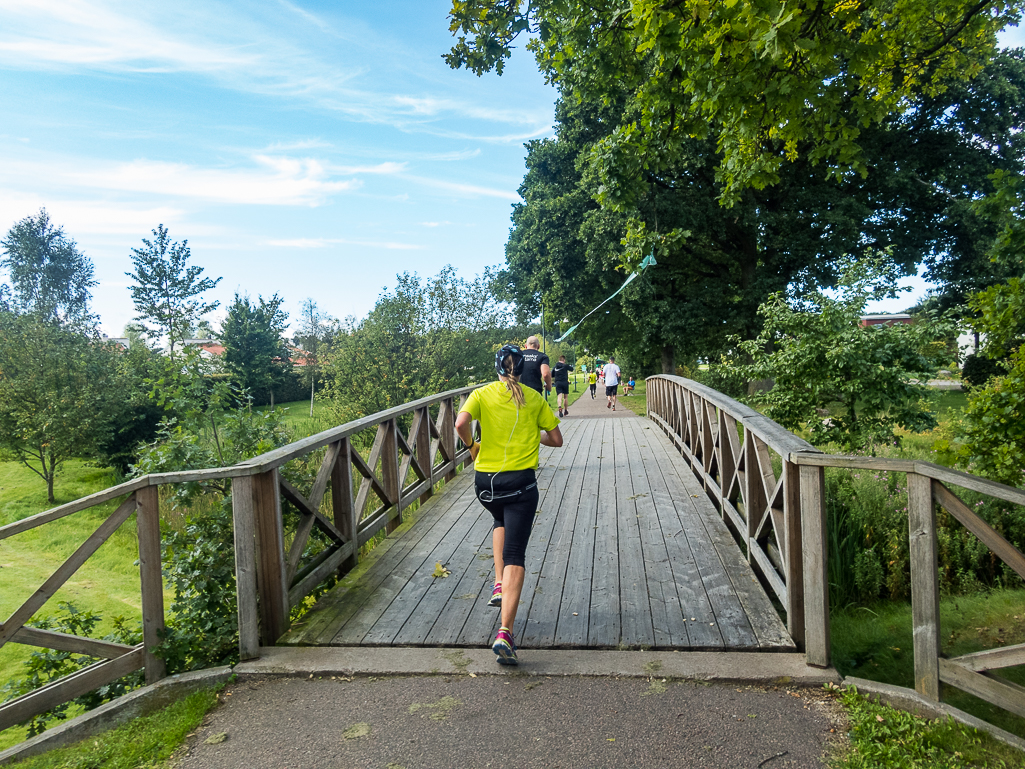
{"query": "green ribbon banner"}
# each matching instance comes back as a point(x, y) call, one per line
point(647, 262)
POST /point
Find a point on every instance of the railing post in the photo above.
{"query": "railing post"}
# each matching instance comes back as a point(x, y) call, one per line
point(270, 557)
point(816, 564)
point(344, 510)
point(422, 447)
point(448, 434)
point(925, 593)
point(754, 494)
point(390, 472)
point(244, 524)
point(148, 527)
point(794, 552)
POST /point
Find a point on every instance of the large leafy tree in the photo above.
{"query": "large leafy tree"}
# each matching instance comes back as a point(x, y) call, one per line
point(768, 82)
point(167, 288)
point(59, 390)
point(717, 265)
point(254, 346)
point(50, 277)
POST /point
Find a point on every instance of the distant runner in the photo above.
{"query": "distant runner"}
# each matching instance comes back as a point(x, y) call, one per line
point(611, 372)
point(592, 381)
point(560, 376)
point(537, 372)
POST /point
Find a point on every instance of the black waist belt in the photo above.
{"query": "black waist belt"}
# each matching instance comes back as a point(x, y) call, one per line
point(491, 497)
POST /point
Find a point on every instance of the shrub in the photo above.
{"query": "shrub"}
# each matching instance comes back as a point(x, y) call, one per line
point(978, 369)
point(48, 665)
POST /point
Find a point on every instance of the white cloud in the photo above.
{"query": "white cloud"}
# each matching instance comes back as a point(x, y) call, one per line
point(251, 52)
point(271, 179)
point(88, 217)
point(466, 190)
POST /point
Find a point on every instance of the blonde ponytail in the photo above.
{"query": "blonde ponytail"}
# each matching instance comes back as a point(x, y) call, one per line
point(512, 383)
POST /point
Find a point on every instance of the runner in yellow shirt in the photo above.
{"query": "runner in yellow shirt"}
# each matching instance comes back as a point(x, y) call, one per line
point(514, 421)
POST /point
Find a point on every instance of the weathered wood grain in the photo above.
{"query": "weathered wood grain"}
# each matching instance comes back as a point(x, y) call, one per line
point(925, 589)
point(151, 578)
point(1002, 693)
point(1003, 549)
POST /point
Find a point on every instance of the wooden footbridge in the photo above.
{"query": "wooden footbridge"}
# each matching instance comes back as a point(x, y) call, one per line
point(700, 527)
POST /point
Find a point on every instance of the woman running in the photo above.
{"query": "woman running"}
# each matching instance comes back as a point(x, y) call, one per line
point(514, 421)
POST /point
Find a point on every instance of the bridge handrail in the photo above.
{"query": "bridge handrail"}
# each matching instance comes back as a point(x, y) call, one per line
point(687, 411)
point(269, 580)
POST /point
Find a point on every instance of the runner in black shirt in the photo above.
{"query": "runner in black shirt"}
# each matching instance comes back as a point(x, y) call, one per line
point(537, 373)
point(560, 376)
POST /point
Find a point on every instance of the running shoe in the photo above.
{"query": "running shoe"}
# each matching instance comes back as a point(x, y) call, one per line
point(504, 648)
point(560, 413)
point(608, 404)
point(613, 408)
point(496, 596)
point(567, 412)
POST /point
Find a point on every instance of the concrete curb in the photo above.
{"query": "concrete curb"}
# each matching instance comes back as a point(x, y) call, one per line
point(744, 667)
point(117, 712)
point(913, 702)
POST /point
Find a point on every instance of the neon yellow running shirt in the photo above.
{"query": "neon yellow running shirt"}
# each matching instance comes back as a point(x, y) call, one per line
point(509, 440)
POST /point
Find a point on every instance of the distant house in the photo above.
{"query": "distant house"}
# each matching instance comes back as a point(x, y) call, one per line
point(886, 319)
point(208, 348)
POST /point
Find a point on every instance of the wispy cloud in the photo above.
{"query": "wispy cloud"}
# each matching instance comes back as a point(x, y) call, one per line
point(242, 52)
point(325, 242)
point(88, 217)
point(466, 190)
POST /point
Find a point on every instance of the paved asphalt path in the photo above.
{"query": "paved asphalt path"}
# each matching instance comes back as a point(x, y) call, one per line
point(511, 721)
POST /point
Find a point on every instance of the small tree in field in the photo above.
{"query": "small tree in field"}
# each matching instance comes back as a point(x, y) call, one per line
point(51, 278)
point(820, 357)
point(58, 390)
point(311, 338)
point(167, 288)
point(254, 349)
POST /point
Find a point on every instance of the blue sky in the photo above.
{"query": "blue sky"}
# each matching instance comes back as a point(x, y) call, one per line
point(313, 149)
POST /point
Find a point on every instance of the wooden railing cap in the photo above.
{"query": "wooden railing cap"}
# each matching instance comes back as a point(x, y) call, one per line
point(775, 435)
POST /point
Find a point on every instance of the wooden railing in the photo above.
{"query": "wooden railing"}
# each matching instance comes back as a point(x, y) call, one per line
point(782, 524)
point(398, 470)
point(743, 459)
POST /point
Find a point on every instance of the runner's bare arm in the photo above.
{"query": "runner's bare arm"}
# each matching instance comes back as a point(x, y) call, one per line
point(464, 429)
point(552, 438)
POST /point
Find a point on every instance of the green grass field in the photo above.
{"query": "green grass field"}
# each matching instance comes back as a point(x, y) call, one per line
point(875, 642)
point(108, 583)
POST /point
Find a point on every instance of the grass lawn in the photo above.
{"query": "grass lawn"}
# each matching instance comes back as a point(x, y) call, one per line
point(145, 742)
point(637, 401)
point(876, 643)
point(108, 583)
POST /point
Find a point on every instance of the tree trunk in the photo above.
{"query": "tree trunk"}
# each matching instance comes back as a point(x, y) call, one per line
point(49, 479)
point(668, 359)
point(272, 400)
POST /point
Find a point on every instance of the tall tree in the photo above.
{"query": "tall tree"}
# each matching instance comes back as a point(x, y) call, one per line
point(254, 347)
point(769, 83)
point(718, 264)
point(50, 277)
point(58, 390)
point(312, 338)
point(167, 288)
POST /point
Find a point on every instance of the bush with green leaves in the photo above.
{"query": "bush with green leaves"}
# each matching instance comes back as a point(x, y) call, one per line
point(199, 554)
point(869, 555)
point(46, 665)
point(845, 382)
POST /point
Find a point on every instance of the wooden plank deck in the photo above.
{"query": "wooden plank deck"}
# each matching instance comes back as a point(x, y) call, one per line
point(626, 552)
